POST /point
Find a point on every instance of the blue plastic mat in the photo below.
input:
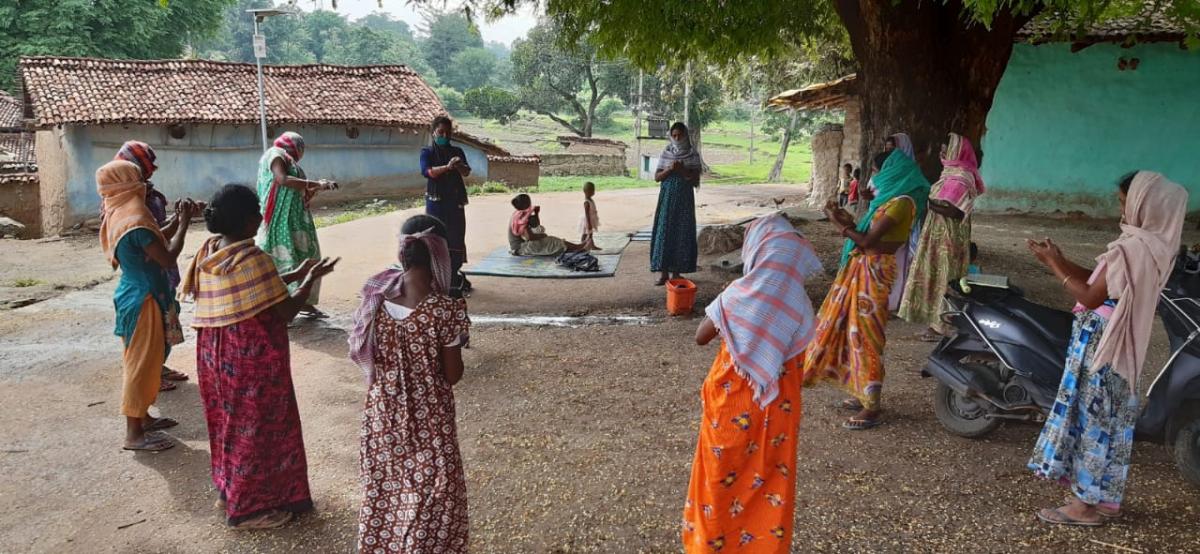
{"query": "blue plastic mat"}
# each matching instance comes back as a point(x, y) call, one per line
point(499, 263)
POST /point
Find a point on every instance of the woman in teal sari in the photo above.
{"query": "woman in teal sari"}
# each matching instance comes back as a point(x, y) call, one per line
point(288, 233)
point(673, 246)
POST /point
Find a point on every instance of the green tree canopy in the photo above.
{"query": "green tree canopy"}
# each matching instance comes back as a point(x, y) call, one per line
point(447, 34)
point(101, 28)
point(470, 68)
point(492, 103)
point(554, 78)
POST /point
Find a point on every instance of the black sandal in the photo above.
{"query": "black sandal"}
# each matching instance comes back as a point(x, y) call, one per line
point(159, 424)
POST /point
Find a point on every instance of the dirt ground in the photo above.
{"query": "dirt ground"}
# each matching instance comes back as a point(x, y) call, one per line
point(575, 439)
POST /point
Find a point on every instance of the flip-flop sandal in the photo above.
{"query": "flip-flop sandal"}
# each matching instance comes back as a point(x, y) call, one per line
point(849, 404)
point(855, 424)
point(315, 314)
point(1060, 518)
point(172, 375)
point(151, 443)
point(270, 520)
point(1103, 513)
point(927, 337)
point(166, 385)
point(160, 423)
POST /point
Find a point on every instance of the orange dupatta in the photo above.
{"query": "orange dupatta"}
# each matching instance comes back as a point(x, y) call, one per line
point(122, 205)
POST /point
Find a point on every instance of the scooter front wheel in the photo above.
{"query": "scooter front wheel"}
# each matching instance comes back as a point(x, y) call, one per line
point(962, 415)
point(1187, 450)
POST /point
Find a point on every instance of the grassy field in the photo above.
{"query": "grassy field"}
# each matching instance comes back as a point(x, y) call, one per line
point(725, 146)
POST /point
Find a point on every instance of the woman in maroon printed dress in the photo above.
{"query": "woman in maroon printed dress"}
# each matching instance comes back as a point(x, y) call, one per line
point(408, 337)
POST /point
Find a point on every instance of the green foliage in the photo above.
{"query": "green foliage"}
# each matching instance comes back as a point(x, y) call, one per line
point(447, 34)
point(470, 68)
point(608, 108)
point(554, 78)
point(316, 37)
point(382, 21)
point(101, 28)
point(489, 187)
point(493, 103)
point(25, 283)
point(452, 100)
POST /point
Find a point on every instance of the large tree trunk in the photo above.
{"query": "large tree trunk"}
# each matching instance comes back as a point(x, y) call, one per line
point(925, 70)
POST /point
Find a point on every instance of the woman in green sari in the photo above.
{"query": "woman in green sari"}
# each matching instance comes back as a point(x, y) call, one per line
point(288, 233)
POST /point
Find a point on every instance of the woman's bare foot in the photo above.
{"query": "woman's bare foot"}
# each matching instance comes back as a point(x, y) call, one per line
point(863, 420)
point(1075, 512)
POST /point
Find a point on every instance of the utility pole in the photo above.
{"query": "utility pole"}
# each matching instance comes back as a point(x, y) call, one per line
point(637, 130)
point(753, 112)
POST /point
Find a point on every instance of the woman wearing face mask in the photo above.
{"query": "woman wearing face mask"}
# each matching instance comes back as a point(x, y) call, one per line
point(673, 248)
point(444, 167)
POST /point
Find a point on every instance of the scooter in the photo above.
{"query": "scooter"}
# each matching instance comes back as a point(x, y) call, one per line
point(1006, 357)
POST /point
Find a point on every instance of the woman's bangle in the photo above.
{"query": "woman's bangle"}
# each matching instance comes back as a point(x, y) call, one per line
point(1066, 280)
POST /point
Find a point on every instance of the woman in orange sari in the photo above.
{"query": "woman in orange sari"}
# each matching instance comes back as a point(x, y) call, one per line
point(742, 491)
point(848, 347)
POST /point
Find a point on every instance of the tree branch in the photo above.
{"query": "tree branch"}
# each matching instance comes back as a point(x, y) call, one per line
point(562, 122)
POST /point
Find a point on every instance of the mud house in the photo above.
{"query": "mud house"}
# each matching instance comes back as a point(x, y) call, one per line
point(18, 169)
point(364, 126)
point(1067, 120)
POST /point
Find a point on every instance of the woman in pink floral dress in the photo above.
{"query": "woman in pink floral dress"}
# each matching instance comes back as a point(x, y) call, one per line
point(408, 337)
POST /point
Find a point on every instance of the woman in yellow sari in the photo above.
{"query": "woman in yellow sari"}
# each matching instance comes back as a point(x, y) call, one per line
point(848, 347)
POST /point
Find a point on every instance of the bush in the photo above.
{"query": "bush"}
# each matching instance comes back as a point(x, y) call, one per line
point(492, 103)
point(605, 112)
point(489, 187)
point(452, 100)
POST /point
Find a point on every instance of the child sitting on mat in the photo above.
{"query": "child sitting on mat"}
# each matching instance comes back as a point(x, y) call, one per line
point(591, 218)
point(527, 237)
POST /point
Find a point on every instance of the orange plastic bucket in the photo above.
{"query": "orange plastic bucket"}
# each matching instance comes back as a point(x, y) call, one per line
point(681, 294)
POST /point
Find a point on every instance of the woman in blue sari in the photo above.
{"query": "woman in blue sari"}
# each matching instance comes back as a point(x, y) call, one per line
point(673, 247)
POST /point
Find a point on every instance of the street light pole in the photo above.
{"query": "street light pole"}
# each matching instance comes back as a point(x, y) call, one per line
point(260, 52)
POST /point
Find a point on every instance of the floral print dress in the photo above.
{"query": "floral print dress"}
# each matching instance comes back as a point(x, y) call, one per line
point(414, 490)
point(290, 235)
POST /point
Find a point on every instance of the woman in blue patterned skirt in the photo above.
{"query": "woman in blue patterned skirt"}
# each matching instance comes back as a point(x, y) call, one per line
point(673, 248)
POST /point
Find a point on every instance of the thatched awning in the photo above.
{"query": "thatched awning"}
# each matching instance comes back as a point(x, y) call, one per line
point(821, 96)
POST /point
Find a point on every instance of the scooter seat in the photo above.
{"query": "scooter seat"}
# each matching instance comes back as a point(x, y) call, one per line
point(1053, 324)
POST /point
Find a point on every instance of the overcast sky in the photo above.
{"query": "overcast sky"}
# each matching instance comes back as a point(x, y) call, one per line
point(504, 30)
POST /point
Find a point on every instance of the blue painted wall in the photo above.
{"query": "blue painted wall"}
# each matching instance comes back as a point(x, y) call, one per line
point(380, 162)
point(1064, 127)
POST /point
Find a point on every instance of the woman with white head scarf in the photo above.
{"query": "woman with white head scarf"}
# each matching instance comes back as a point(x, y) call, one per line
point(673, 246)
point(1088, 436)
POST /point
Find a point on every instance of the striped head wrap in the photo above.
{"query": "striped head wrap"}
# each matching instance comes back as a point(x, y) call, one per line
point(291, 143)
point(390, 284)
point(141, 154)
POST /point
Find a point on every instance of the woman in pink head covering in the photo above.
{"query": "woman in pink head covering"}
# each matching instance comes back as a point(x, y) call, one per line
point(1088, 436)
point(944, 246)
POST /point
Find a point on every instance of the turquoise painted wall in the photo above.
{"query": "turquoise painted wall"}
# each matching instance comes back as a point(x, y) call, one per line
point(379, 163)
point(1064, 127)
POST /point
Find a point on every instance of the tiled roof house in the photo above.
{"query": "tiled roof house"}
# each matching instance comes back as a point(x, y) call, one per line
point(364, 126)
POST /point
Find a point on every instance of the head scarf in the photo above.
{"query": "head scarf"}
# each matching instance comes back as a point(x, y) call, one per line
point(765, 317)
point(122, 205)
point(682, 151)
point(141, 154)
point(292, 144)
point(904, 144)
point(1137, 266)
point(960, 178)
point(390, 284)
point(899, 176)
